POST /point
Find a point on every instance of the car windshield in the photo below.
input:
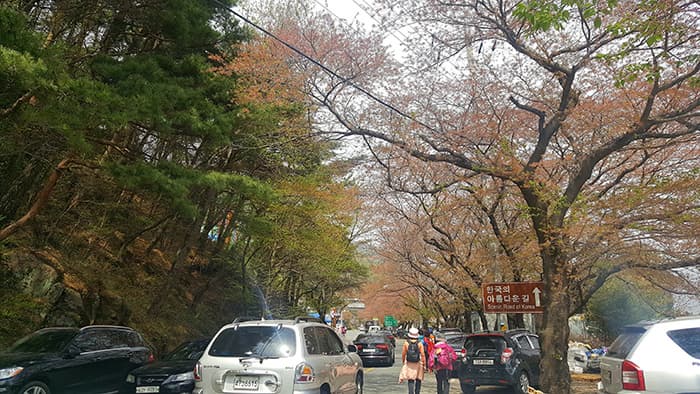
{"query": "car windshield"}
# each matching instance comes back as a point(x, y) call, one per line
point(254, 341)
point(624, 343)
point(187, 351)
point(44, 342)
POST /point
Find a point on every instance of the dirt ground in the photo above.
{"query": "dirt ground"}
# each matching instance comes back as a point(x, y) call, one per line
point(584, 383)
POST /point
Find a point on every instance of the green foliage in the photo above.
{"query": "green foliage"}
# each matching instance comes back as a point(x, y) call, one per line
point(621, 302)
point(19, 312)
point(159, 149)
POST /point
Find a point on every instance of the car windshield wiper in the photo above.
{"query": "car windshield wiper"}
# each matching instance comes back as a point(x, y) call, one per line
point(259, 357)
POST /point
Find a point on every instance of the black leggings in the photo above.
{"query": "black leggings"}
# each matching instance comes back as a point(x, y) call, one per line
point(414, 386)
point(443, 381)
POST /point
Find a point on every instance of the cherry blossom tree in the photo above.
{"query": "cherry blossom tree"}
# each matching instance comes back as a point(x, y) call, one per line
point(586, 111)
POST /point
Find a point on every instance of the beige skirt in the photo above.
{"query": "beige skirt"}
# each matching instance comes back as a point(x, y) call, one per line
point(411, 371)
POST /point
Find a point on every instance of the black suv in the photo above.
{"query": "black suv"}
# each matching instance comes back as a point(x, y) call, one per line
point(62, 360)
point(503, 358)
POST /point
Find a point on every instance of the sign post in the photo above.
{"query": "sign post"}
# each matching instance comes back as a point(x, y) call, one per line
point(513, 297)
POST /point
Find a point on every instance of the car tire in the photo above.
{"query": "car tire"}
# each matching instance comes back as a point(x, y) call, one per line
point(359, 385)
point(467, 388)
point(35, 388)
point(522, 384)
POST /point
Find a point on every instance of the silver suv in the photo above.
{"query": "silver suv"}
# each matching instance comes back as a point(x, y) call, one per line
point(278, 356)
point(654, 357)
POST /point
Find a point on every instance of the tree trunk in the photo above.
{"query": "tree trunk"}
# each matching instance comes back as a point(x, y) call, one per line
point(555, 378)
point(41, 200)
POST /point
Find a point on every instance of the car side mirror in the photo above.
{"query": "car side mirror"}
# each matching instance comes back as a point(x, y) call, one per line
point(352, 348)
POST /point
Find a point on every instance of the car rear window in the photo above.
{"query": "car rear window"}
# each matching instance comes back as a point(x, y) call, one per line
point(624, 343)
point(486, 346)
point(687, 339)
point(254, 341)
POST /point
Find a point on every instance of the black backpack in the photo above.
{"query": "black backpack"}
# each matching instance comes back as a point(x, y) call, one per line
point(413, 353)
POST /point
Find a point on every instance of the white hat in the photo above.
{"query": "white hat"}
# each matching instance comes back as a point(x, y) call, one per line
point(413, 333)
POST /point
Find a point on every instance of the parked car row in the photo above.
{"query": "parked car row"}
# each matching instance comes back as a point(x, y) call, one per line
point(281, 356)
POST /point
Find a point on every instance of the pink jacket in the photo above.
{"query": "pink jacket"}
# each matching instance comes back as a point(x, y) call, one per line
point(438, 348)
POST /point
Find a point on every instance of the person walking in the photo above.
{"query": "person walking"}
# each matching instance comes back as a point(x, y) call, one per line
point(441, 358)
point(414, 362)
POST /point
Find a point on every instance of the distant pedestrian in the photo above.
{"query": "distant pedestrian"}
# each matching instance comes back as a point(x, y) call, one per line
point(428, 342)
point(414, 362)
point(440, 361)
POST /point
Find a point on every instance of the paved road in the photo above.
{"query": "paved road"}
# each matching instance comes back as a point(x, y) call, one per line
point(384, 380)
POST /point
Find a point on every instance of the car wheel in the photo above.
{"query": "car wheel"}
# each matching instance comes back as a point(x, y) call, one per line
point(359, 385)
point(467, 388)
point(35, 388)
point(523, 383)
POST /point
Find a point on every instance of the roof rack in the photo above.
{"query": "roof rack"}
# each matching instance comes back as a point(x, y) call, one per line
point(306, 319)
point(242, 319)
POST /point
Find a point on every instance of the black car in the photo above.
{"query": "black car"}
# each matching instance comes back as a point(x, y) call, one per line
point(375, 348)
point(504, 358)
point(456, 341)
point(62, 360)
point(174, 373)
point(389, 335)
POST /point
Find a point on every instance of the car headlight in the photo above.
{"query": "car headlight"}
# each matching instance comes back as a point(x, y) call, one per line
point(7, 373)
point(130, 378)
point(181, 377)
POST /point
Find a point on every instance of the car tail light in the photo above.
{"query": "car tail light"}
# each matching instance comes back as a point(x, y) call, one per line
point(382, 346)
point(506, 355)
point(632, 376)
point(358, 346)
point(151, 357)
point(198, 372)
point(304, 374)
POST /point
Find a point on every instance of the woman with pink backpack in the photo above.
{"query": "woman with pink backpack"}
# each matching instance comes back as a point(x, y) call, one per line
point(440, 361)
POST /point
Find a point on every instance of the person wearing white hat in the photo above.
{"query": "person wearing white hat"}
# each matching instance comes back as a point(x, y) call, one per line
point(413, 357)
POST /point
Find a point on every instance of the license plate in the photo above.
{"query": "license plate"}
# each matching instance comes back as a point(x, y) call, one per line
point(148, 389)
point(482, 362)
point(370, 350)
point(242, 383)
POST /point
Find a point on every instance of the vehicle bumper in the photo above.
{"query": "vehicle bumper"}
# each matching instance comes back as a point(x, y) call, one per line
point(297, 390)
point(375, 360)
point(486, 381)
point(11, 386)
point(601, 390)
point(171, 388)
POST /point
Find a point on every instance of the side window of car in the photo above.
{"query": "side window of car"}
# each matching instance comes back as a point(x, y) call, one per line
point(93, 340)
point(524, 343)
point(311, 341)
point(687, 339)
point(334, 345)
point(123, 339)
point(535, 341)
point(323, 343)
